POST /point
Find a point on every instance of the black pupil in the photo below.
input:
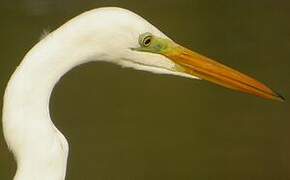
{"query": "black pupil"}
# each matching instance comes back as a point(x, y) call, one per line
point(147, 41)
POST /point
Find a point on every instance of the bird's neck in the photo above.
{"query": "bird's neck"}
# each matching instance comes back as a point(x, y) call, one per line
point(39, 148)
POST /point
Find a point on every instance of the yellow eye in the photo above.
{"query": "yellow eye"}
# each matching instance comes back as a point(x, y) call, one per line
point(145, 39)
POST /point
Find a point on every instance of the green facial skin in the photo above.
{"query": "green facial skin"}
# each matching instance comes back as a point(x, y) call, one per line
point(157, 45)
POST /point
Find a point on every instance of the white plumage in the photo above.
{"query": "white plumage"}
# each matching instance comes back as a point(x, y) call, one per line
point(105, 34)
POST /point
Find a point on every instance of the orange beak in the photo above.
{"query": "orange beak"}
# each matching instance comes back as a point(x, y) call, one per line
point(197, 65)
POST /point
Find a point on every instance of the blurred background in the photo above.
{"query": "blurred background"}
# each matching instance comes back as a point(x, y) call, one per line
point(124, 124)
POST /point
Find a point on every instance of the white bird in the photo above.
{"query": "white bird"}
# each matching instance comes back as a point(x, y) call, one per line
point(106, 34)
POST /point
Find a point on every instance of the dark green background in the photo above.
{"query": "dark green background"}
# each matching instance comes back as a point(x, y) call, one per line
point(130, 125)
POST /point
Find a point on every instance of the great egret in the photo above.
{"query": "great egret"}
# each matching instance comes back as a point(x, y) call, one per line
point(106, 34)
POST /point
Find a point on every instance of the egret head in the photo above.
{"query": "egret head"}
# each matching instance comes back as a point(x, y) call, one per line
point(134, 42)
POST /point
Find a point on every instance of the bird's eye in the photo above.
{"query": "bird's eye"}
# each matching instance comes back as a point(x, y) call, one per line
point(145, 39)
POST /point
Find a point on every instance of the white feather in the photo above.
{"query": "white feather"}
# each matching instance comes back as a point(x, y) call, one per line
point(105, 34)
point(44, 34)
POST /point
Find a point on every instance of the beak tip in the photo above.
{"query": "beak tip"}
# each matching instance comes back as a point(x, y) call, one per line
point(280, 97)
